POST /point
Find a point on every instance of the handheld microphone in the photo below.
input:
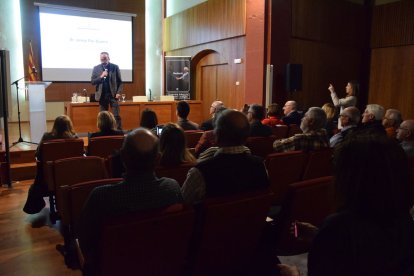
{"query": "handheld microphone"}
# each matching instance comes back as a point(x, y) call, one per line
point(34, 70)
point(106, 70)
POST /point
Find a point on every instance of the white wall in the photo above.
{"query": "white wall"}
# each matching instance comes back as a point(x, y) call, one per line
point(11, 39)
point(176, 6)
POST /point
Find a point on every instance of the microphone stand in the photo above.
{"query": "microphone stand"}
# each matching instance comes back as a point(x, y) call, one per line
point(20, 140)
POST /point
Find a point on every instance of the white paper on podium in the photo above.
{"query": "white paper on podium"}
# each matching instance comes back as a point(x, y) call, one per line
point(37, 109)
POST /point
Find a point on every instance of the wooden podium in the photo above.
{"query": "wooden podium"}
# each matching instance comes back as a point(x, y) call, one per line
point(37, 109)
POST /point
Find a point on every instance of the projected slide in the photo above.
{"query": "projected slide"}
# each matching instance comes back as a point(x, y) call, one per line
point(71, 42)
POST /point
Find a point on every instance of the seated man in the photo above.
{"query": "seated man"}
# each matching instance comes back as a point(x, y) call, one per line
point(405, 134)
point(349, 119)
point(292, 116)
point(255, 115)
point(140, 190)
point(208, 125)
point(313, 137)
point(372, 120)
point(183, 109)
point(391, 122)
point(232, 169)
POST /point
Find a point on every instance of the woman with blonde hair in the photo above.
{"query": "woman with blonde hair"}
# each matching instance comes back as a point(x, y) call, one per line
point(173, 146)
point(331, 118)
point(106, 124)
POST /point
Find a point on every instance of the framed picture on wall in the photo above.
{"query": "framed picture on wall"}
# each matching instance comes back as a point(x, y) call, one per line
point(178, 77)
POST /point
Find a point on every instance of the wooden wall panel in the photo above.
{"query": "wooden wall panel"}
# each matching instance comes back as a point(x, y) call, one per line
point(333, 22)
point(392, 82)
point(393, 24)
point(323, 64)
point(326, 37)
point(210, 21)
point(62, 91)
point(221, 52)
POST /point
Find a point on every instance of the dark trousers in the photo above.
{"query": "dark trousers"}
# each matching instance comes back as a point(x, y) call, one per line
point(104, 102)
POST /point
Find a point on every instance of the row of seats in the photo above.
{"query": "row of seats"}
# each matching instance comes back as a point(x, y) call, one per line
point(219, 237)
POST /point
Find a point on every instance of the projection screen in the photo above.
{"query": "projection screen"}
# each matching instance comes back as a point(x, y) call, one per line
point(72, 39)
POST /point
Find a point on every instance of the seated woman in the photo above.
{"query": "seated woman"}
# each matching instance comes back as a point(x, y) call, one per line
point(107, 125)
point(173, 146)
point(149, 120)
point(331, 119)
point(274, 114)
point(372, 231)
point(62, 129)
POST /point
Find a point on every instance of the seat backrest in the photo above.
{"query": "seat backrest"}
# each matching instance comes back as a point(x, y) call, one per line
point(147, 243)
point(61, 148)
point(70, 171)
point(178, 172)
point(52, 150)
point(192, 137)
point(231, 230)
point(306, 201)
point(283, 169)
point(104, 146)
point(319, 164)
point(293, 129)
point(280, 131)
point(260, 146)
point(73, 197)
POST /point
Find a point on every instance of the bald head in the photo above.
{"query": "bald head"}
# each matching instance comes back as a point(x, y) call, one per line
point(350, 116)
point(215, 106)
point(289, 107)
point(232, 128)
point(140, 150)
point(406, 131)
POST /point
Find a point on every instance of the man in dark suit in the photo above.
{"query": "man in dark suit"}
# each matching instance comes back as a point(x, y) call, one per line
point(231, 169)
point(292, 116)
point(107, 79)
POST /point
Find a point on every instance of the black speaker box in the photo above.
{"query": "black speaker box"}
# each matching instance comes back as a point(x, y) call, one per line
point(293, 77)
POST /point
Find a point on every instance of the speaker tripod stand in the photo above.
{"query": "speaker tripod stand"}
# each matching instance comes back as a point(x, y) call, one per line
point(20, 140)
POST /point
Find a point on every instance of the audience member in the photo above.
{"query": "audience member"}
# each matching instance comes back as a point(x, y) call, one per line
point(173, 146)
point(183, 109)
point(140, 190)
point(62, 129)
point(149, 120)
point(273, 116)
point(208, 125)
point(351, 90)
point(349, 118)
point(245, 109)
point(372, 231)
point(208, 138)
point(255, 116)
point(107, 125)
point(313, 137)
point(292, 116)
point(331, 119)
point(372, 120)
point(391, 122)
point(405, 134)
point(232, 169)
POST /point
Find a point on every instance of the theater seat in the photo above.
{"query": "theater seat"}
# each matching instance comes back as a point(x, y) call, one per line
point(283, 169)
point(306, 201)
point(178, 172)
point(230, 233)
point(260, 146)
point(104, 146)
point(319, 164)
point(146, 243)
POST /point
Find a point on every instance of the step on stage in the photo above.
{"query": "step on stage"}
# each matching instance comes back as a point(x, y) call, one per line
point(22, 155)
